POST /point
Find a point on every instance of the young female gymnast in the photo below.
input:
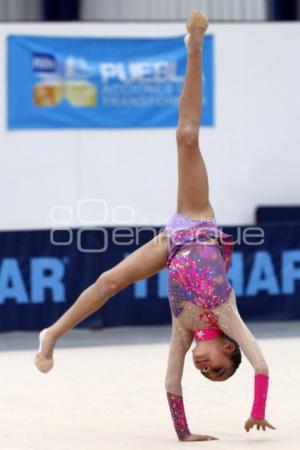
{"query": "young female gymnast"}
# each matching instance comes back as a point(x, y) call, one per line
point(197, 255)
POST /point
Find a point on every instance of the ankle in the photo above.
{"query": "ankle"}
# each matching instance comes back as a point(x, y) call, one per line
point(195, 42)
point(51, 335)
point(194, 50)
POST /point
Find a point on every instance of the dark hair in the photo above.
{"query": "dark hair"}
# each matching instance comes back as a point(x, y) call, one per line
point(235, 356)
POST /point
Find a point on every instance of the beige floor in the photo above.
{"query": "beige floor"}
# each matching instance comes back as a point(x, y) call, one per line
point(107, 392)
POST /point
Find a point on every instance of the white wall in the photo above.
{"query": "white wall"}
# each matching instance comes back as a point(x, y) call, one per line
point(251, 153)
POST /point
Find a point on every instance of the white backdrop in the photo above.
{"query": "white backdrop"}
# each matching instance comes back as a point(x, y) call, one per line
point(251, 153)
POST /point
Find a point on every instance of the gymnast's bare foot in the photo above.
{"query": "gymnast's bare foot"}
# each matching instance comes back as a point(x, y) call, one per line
point(196, 26)
point(44, 358)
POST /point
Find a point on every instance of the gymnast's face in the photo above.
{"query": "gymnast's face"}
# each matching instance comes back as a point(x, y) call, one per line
point(212, 358)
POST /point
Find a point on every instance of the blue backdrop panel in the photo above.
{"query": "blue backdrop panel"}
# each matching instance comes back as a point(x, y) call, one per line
point(283, 10)
point(100, 82)
point(266, 277)
point(275, 214)
point(40, 280)
point(62, 10)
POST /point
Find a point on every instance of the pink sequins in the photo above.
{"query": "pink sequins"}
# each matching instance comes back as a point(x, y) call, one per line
point(198, 260)
point(178, 414)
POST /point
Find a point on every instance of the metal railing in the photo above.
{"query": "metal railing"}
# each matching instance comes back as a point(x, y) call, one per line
point(148, 10)
point(19, 10)
point(153, 10)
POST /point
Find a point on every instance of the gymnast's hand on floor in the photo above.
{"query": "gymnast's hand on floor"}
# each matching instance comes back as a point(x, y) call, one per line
point(197, 437)
point(259, 423)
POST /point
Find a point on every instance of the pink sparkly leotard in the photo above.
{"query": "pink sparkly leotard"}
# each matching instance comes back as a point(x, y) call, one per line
point(197, 270)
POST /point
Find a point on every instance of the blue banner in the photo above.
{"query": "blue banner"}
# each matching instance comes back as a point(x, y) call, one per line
point(41, 275)
point(58, 82)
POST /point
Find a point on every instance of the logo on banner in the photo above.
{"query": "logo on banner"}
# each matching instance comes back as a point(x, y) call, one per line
point(65, 81)
point(101, 82)
point(70, 81)
point(43, 63)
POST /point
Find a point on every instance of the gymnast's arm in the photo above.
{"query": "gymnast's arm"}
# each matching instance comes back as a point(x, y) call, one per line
point(181, 340)
point(231, 323)
point(180, 343)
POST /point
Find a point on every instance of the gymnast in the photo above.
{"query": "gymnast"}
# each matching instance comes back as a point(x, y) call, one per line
point(197, 254)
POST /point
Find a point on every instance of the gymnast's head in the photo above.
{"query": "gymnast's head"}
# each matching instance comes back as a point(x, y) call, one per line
point(217, 359)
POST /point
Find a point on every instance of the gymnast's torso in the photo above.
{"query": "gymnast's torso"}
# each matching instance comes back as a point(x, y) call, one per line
point(199, 257)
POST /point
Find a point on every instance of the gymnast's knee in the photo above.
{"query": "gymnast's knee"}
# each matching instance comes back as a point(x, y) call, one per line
point(188, 135)
point(108, 284)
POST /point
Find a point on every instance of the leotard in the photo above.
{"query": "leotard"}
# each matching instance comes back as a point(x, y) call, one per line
point(199, 257)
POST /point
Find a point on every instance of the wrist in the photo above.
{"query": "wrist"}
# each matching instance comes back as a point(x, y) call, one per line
point(183, 436)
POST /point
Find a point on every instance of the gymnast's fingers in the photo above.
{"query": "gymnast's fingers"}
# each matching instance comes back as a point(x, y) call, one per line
point(248, 426)
point(210, 438)
point(270, 426)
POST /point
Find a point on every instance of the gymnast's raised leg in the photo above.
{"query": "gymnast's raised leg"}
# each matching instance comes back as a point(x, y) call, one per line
point(143, 263)
point(193, 199)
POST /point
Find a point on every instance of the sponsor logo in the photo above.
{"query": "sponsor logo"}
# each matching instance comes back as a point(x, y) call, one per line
point(44, 63)
point(43, 277)
point(68, 82)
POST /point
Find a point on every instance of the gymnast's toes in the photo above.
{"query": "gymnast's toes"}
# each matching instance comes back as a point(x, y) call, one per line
point(43, 359)
point(43, 364)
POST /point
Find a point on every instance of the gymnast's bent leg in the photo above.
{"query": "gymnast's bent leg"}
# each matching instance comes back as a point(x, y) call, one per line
point(143, 263)
point(192, 199)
